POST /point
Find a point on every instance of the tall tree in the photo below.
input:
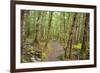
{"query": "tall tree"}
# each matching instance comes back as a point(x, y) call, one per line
point(85, 36)
point(24, 27)
point(36, 40)
point(49, 26)
point(70, 40)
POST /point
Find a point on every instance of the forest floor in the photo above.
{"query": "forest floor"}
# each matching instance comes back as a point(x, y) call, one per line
point(55, 52)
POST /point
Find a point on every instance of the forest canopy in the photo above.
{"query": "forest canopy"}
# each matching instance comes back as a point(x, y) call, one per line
point(54, 36)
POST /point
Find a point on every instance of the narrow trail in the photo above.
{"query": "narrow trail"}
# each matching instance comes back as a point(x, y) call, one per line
point(56, 51)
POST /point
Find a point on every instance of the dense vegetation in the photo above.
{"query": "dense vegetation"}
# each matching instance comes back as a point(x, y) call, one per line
point(54, 36)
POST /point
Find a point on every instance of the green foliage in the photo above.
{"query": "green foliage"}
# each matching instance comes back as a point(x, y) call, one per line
point(61, 57)
point(41, 27)
point(30, 51)
point(44, 56)
point(77, 46)
point(26, 57)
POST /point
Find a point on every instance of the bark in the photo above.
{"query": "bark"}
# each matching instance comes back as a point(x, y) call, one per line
point(36, 41)
point(68, 49)
point(49, 26)
point(24, 35)
point(85, 36)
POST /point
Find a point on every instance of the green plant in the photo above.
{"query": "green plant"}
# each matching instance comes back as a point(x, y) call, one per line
point(61, 57)
point(77, 46)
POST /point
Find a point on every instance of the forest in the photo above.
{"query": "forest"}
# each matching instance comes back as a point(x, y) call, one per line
point(54, 36)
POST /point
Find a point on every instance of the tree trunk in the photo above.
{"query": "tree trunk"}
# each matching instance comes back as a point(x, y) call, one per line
point(85, 41)
point(49, 26)
point(68, 49)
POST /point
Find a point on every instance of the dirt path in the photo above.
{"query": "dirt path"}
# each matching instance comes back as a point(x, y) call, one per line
point(56, 51)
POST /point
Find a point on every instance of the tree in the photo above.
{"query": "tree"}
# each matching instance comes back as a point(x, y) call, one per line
point(43, 31)
point(70, 40)
point(85, 36)
point(49, 26)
